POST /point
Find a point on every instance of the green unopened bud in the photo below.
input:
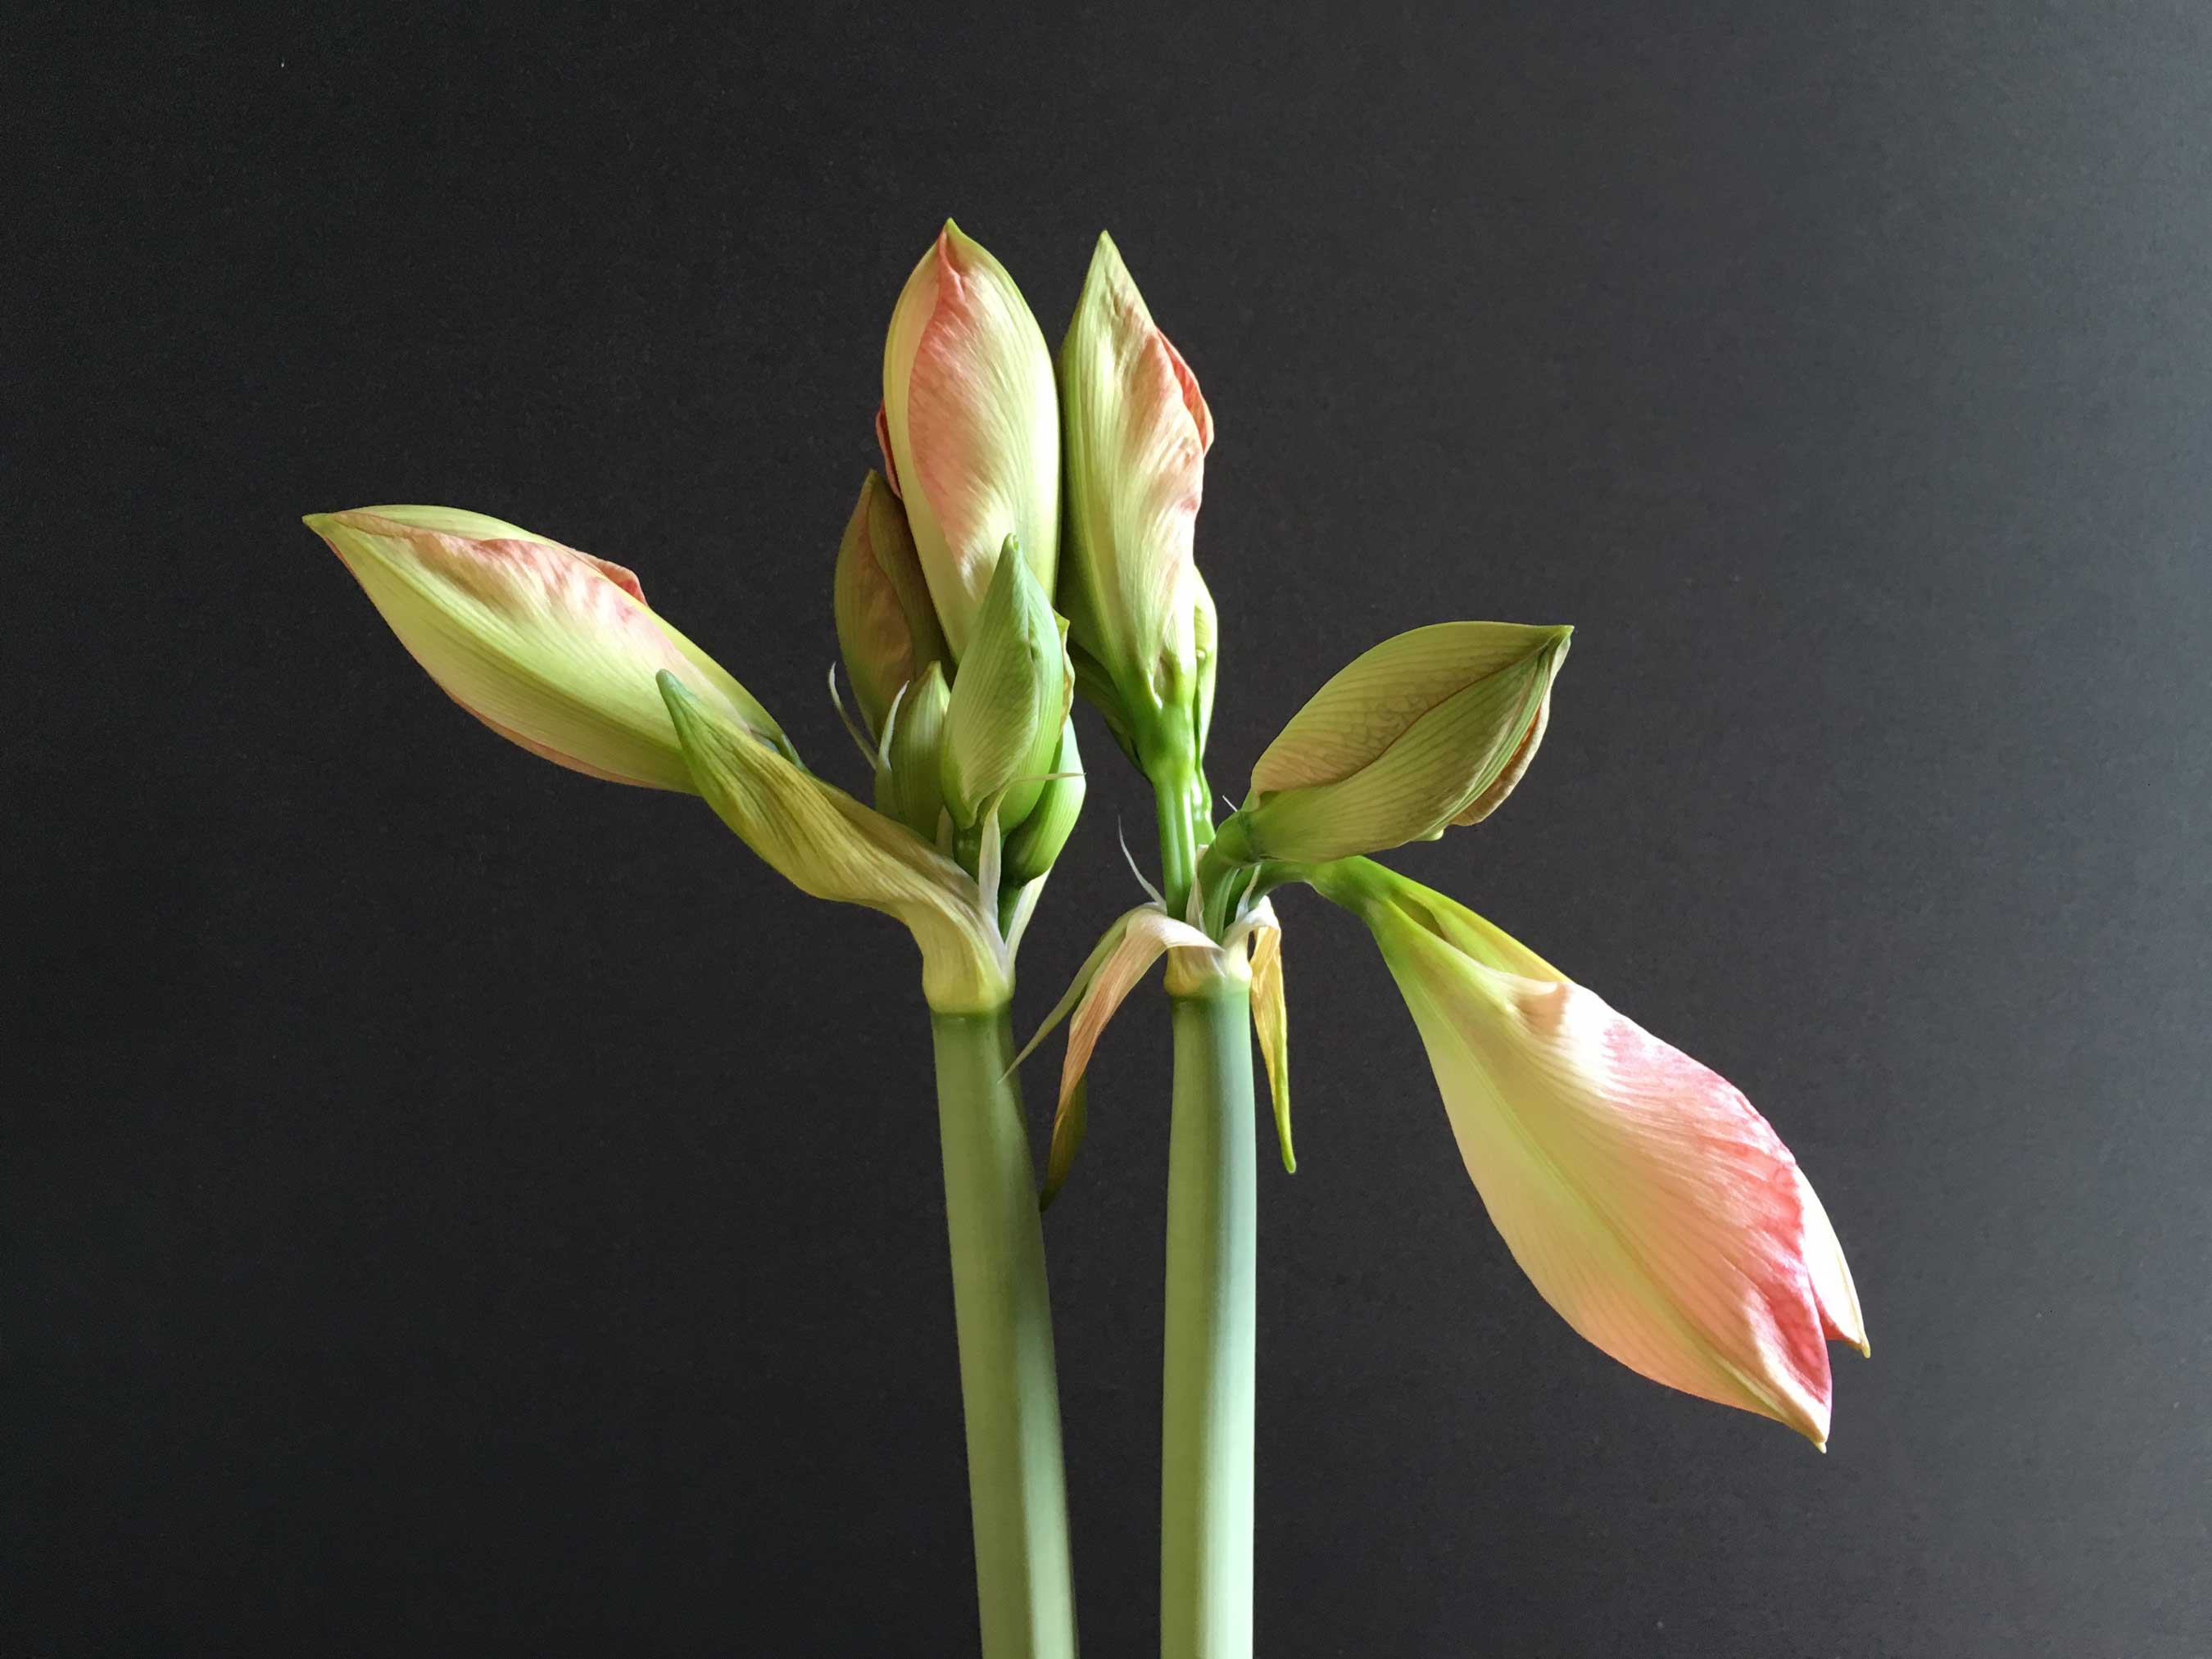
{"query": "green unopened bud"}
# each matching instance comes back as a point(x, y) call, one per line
point(1032, 849)
point(907, 786)
point(1427, 730)
point(887, 629)
point(1135, 430)
point(1010, 699)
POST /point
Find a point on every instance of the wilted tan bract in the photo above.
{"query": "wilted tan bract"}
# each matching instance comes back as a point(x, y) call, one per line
point(1271, 1023)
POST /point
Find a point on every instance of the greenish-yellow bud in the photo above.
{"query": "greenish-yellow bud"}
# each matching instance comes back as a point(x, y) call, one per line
point(907, 785)
point(1032, 849)
point(1010, 698)
point(1135, 430)
point(1427, 730)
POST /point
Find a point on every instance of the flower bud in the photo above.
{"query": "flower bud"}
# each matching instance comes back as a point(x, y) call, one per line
point(1641, 1192)
point(1427, 730)
point(887, 629)
point(1009, 700)
point(907, 785)
point(553, 649)
point(1136, 430)
point(970, 427)
point(1033, 848)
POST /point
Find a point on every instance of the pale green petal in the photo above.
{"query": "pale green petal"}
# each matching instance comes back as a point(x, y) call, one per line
point(826, 843)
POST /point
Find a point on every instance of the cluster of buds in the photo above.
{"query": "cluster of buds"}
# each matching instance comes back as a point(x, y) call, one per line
point(945, 577)
point(1646, 1199)
point(943, 598)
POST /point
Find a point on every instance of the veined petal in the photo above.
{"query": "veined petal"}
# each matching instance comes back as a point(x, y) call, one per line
point(1509, 777)
point(1428, 729)
point(1642, 1195)
point(972, 423)
point(1135, 430)
point(553, 649)
point(826, 843)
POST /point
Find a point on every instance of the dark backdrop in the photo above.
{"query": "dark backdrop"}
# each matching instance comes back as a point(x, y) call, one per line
point(453, 1206)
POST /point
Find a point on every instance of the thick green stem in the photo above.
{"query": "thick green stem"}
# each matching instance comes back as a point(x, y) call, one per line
point(1185, 808)
point(1208, 1374)
point(1016, 1486)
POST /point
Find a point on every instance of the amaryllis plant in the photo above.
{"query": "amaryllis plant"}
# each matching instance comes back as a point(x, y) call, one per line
point(1030, 538)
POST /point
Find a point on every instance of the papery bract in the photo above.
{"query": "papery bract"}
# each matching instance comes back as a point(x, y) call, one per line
point(970, 427)
point(1642, 1195)
point(1123, 954)
point(553, 649)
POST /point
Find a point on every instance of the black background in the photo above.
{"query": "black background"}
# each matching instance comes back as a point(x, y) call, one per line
point(455, 1206)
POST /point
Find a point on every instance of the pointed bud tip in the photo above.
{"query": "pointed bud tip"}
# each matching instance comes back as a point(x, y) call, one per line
point(955, 245)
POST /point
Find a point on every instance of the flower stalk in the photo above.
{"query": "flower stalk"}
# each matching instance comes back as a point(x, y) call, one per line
point(1209, 1362)
point(1030, 540)
point(1016, 1486)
